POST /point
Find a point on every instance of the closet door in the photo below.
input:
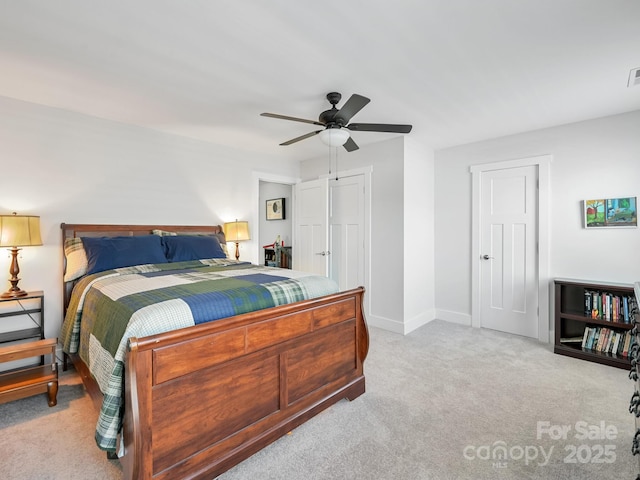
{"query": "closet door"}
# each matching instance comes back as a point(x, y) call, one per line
point(347, 231)
point(331, 229)
point(310, 249)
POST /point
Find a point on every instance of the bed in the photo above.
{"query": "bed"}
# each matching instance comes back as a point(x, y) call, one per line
point(192, 398)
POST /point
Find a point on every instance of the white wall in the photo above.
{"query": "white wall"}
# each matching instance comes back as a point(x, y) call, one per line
point(591, 159)
point(73, 168)
point(419, 278)
point(401, 289)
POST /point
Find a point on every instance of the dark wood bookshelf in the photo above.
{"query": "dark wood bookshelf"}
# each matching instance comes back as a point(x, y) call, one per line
point(571, 319)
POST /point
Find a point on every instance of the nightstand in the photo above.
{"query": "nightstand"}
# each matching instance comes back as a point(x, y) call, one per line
point(22, 318)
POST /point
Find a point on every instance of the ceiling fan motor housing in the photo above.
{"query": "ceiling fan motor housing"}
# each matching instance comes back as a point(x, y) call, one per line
point(328, 116)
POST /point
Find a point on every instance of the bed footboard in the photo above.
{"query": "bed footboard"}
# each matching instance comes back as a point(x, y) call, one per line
point(201, 400)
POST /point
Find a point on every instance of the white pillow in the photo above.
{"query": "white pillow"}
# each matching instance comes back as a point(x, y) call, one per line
point(76, 259)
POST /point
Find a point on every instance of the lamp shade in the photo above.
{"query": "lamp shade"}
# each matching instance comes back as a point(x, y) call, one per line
point(19, 231)
point(334, 137)
point(236, 231)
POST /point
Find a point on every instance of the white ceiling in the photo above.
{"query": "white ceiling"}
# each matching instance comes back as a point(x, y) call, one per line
point(458, 70)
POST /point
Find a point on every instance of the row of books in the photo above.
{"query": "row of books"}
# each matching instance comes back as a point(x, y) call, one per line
point(607, 340)
point(608, 306)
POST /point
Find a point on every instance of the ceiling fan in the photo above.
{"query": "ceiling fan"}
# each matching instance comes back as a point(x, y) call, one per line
point(336, 123)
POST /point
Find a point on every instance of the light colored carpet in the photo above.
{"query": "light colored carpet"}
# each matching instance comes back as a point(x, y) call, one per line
point(38, 442)
point(438, 402)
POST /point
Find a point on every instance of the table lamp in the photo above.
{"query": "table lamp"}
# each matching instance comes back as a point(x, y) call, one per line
point(18, 231)
point(237, 232)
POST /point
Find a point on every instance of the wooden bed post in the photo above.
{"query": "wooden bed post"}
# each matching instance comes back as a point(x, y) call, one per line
point(137, 417)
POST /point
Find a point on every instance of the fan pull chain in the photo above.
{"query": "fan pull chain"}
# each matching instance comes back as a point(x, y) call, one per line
point(333, 156)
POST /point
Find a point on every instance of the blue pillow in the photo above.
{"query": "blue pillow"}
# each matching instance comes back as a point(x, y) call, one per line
point(180, 248)
point(106, 253)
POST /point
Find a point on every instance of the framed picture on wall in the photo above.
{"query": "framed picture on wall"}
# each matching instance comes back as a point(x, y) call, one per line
point(275, 209)
point(611, 212)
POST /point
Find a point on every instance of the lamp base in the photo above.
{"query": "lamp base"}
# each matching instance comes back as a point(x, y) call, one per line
point(14, 294)
point(14, 270)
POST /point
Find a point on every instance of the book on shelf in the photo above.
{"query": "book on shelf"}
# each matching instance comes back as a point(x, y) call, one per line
point(627, 344)
point(587, 303)
point(625, 307)
point(610, 307)
point(593, 338)
point(623, 339)
point(619, 341)
point(605, 337)
point(612, 342)
point(603, 340)
point(572, 340)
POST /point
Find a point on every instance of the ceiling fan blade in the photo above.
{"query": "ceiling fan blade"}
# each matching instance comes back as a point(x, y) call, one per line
point(350, 108)
point(285, 117)
point(350, 145)
point(302, 137)
point(379, 127)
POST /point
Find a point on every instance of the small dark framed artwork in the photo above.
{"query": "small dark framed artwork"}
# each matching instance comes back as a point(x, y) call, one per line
point(275, 209)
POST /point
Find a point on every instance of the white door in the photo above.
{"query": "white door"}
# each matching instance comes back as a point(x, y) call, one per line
point(346, 231)
point(311, 233)
point(508, 250)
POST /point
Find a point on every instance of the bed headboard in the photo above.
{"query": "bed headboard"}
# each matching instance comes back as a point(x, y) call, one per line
point(70, 230)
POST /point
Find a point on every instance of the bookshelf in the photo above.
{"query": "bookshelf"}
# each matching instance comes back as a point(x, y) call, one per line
point(277, 257)
point(592, 319)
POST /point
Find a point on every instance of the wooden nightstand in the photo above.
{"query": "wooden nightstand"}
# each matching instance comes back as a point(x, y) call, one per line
point(27, 381)
point(22, 318)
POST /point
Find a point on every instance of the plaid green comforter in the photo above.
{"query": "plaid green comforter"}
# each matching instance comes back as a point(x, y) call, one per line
point(108, 308)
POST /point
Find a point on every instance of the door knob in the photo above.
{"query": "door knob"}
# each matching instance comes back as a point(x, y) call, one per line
point(486, 257)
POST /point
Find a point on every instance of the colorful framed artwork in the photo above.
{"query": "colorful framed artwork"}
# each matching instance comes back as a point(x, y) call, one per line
point(611, 212)
point(275, 209)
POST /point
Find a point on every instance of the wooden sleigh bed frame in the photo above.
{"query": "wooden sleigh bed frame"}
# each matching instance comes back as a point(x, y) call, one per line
point(202, 399)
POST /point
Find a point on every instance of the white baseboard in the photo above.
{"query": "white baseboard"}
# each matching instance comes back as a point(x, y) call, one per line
point(402, 328)
point(454, 317)
point(385, 324)
point(419, 320)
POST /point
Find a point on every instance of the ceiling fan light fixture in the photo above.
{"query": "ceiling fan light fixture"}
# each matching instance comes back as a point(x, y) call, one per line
point(334, 137)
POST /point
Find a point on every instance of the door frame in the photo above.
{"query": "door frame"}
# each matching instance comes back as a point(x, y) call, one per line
point(543, 163)
point(256, 178)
